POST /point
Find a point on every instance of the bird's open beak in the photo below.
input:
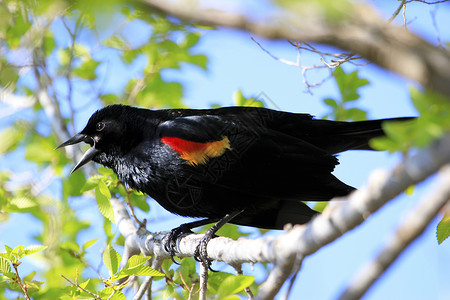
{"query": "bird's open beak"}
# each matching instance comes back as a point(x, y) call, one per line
point(87, 157)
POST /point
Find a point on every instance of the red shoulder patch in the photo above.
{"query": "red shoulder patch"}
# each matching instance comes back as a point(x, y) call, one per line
point(197, 153)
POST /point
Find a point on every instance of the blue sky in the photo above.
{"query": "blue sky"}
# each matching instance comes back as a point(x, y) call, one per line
point(236, 62)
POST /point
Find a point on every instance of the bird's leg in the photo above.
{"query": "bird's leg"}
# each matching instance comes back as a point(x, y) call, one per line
point(183, 229)
point(200, 253)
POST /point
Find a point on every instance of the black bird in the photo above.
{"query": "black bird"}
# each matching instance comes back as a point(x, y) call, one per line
point(243, 165)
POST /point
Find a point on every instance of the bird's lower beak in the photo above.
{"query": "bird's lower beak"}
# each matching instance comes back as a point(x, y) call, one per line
point(87, 157)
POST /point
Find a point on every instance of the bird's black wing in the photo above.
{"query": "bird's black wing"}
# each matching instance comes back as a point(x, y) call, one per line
point(242, 155)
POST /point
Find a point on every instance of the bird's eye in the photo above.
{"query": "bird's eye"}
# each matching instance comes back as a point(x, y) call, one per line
point(100, 126)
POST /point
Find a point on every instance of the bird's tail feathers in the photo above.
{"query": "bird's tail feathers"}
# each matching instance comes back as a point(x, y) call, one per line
point(343, 136)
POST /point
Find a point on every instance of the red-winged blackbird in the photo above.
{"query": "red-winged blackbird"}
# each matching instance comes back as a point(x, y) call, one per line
point(248, 166)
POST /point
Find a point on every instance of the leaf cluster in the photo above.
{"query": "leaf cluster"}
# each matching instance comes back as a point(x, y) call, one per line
point(345, 107)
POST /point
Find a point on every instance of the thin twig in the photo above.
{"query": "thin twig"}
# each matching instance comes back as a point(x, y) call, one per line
point(297, 267)
point(203, 280)
point(247, 289)
point(20, 282)
point(397, 11)
point(404, 17)
point(433, 13)
point(145, 286)
point(130, 206)
point(79, 287)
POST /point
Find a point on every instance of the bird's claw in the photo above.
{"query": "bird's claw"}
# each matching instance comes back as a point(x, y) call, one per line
point(171, 243)
point(201, 254)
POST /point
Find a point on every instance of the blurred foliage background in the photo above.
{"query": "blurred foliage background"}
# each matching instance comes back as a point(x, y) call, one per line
point(61, 60)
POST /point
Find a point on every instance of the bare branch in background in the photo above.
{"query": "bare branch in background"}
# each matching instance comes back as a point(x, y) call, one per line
point(299, 65)
point(362, 32)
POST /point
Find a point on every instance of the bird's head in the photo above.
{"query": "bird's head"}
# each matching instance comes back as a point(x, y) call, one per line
point(108, 132)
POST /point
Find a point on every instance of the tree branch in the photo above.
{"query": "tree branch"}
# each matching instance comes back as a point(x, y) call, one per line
point(360, 30)
point(287, 251)
point(412, 228)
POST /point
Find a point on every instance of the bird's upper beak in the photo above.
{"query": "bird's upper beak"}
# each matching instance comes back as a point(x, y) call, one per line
point(87, 157)
point(77, 138)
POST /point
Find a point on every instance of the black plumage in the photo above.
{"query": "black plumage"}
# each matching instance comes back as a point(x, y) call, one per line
point(255, 163)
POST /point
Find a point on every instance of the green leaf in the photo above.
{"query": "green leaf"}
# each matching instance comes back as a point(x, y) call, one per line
point(146, 271)
point(105, 171)
point(107, 292)
point(111, 259)
point(160, 93)
point(355, 114)
point(443, 229)
point(320, 206)
point(410, 190)
point(8, 74)
point(5, 267)
point(104, 205)
point(199, 60)
point(129, 56)
point(64, 56)
point(87, 70)
point(82, 52)
point(138, 271)
point(40, 150)
point(233, 285)
point(16, 32)
point(186, 271)
point(240, 100)
point(9, 138)
point(136, 261)
point(135, 267)
point(191, 39)
point(92, 183)
point(231, 231)
point(348, 84)
point(126, 11)
point(89, 243)
point(49, 43)
point(110, 98)
point(107, 230)
point(116, 42)
point(139, 200)
point(169, 292)
point(104, 189)
point(21, 204)
point(33, 249)
point(166, 268)
point(70, 246)
point(29, 277)
point(85, 284)
point(330, 102)
point(73, 184)
point(8, 249)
